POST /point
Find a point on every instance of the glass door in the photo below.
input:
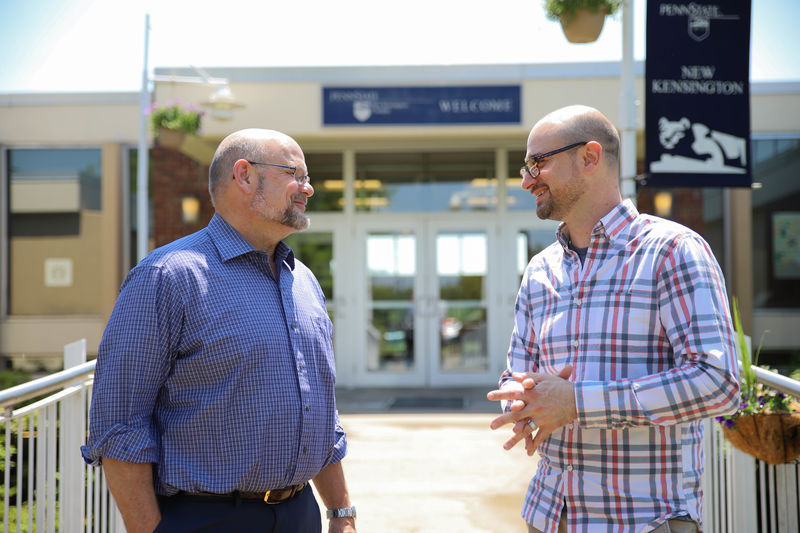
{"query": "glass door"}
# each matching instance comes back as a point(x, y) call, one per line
point(426, 305)
point(391, 307)
point(460, 287)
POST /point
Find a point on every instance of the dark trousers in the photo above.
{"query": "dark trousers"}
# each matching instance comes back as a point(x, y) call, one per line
point(185, 514)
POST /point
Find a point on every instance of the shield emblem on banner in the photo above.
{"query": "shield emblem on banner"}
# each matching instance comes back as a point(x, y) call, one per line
point(362, 110)
point(699, 28)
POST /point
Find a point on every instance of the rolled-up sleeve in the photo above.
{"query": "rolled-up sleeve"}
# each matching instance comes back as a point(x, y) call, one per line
point(695, 317)
point(133, 362)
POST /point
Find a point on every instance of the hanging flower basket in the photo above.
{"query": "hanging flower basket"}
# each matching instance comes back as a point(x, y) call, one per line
point(169, 138)
point(173, 121)
point(772, 437)
point(581, 20)
point(767, 423)
point(584, 26)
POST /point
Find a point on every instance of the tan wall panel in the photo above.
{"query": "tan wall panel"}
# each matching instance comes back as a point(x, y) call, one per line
point(48, 335)
point(288, 107)
point(775, 113)
point(69, 124)
point(30, 296)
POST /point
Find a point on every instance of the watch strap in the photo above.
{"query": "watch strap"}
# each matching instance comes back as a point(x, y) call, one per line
point(342, 512)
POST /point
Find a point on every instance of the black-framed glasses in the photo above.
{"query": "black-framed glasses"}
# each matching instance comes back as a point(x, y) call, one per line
point(301, 180)
point(531, 166)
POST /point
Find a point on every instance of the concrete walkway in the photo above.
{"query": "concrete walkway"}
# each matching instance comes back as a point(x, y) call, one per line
point(431, 470)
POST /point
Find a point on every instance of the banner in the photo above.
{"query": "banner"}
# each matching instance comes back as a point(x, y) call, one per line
point(697, 75)
point(485, 104)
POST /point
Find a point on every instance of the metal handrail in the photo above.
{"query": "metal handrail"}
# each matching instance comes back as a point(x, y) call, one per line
point(19, 393)
point(777, 381)
point(31, 389)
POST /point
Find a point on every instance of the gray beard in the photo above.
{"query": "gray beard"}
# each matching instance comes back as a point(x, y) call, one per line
point(289, 217)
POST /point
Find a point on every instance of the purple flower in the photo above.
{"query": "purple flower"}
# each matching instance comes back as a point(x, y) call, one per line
point(729, 423)
point(719, 419)
point(743, 406)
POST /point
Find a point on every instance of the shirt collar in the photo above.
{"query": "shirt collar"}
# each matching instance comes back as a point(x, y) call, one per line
point(610, 227)
point(231, 244)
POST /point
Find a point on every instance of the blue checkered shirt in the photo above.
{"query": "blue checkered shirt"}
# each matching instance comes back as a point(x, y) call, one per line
point(217, 373)
point(645, 323)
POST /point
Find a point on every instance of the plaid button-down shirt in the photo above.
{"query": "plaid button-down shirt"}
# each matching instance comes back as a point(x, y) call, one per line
point(646, 325)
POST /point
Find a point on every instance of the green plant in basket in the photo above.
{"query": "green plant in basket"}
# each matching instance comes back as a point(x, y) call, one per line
point(765, 425)
point(555, 9)
point(175, 116)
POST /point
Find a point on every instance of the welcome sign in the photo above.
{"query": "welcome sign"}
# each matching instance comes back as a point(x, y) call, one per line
point(484, 104)
point(697, 117)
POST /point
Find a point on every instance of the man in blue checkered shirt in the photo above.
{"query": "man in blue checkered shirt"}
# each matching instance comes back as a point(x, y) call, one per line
point(213, 404)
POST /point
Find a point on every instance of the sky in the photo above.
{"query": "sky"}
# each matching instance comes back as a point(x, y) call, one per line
point(98, 45)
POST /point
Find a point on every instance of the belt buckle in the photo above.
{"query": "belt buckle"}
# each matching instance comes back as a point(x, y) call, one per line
point(284, 494)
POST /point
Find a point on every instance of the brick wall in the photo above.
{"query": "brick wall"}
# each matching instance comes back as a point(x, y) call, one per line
point(687, 206)
point(175, 175)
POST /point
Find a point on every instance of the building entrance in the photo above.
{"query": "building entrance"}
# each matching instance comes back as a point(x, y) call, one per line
point(426, 301)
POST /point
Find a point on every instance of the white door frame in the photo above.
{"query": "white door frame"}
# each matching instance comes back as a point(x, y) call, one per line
point(414, 377)
point(425, 227)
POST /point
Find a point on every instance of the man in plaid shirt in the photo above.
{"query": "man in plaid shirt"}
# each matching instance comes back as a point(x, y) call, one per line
point(622, 344)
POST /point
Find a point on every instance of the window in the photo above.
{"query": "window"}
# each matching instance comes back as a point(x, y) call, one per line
point(326, 178)
point(440, 181)
point(54, 231)
point(776, 222)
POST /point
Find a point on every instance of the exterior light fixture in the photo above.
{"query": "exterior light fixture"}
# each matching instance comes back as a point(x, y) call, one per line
point(190, 209)
point(662, 201)
point(222, 103)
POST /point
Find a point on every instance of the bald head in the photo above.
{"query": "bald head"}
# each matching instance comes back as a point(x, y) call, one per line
point(251, 144)
point(577, 123)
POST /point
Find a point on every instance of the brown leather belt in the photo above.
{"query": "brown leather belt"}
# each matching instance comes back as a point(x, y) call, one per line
point(271, 496)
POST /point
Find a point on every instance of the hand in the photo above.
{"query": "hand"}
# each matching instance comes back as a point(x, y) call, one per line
point(345, 524)
point(547, 399)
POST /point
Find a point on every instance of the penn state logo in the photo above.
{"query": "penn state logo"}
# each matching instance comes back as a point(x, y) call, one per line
point(699, 28)
point(362, 110)
point(699, 17)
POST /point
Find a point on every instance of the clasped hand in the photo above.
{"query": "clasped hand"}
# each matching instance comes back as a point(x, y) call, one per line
point(545, 399)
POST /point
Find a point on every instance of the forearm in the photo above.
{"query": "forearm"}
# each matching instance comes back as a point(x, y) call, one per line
point(332, 488)
point(131, 484)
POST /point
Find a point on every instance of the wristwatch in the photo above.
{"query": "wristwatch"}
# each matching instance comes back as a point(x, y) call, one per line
point(343, 512)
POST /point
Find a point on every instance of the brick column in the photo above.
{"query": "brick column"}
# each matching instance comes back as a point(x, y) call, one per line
point(175, 175)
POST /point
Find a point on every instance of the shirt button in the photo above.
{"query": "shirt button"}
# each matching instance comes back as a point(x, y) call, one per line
point(300, 366)
point(575, 343)
point(308, 407)
point(571, 426)
point(569, 468)
point(578, 301)
point(305, 449)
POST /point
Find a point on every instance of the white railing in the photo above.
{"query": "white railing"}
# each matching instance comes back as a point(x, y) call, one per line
point(746, 495)
point(46, 484)
point(48, 487)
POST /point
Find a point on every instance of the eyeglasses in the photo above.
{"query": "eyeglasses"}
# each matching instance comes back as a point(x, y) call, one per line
point(531, 166)
point(301, 180)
